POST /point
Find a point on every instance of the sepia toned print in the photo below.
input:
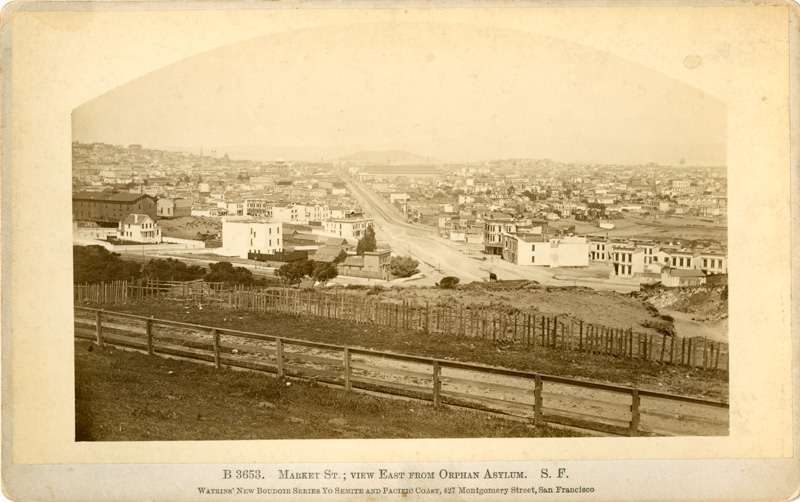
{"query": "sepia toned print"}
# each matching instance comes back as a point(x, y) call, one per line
point(439, 243)
point(564, 266)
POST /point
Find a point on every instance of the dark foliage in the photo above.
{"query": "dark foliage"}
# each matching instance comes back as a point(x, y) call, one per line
point(449, 282)
point(367, 243)
point(403, 266)
point(225, 272)
point(92, 264)
point(172, 270)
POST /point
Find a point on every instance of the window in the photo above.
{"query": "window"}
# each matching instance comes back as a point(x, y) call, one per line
point(533, 259)
point(533, 247)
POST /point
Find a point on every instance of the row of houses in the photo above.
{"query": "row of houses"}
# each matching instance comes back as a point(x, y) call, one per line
point(631, 257)
point(265, 239)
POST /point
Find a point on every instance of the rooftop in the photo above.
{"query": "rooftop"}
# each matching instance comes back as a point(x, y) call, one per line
point(109, 196)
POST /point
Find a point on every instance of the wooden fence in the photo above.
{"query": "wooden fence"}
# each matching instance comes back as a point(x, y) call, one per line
point(542, 398)
point(531, 330)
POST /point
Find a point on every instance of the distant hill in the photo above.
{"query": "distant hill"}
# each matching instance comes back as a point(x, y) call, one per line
point(391, 157)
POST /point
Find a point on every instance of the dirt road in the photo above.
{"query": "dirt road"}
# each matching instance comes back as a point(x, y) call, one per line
point(508, 394)
point(441, 257)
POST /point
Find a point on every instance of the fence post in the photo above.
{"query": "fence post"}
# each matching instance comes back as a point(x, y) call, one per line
point(630, 342)
point(347, 385)
point(148, 327)
point(279, 356)
point(634, 413)
point(436, 384)
point(215, 335)
point(99, 327)
point(537, 400)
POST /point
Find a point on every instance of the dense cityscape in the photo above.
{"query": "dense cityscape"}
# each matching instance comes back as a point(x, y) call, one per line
point(606, 226)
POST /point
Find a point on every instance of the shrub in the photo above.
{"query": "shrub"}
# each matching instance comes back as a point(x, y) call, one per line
point(403, 266)
point(724, 295)
point(448, 282)
point(664, 327)
point(172, 270)
point(225, 272)
point(92, 264)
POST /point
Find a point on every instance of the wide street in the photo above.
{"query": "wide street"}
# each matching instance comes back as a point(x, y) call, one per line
point(440, 257)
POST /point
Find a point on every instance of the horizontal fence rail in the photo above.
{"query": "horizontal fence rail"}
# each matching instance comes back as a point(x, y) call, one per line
point(605, 408)
point(518, 327)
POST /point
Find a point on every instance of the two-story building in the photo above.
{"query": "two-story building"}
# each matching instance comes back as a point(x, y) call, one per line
point(352, 229)
point(542, 251)
point(173, 207)
point(243, 235)
point(139, 228)
point(108, 207)
point(373, 265)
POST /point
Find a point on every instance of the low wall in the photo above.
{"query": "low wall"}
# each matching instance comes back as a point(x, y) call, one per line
point(186, 243)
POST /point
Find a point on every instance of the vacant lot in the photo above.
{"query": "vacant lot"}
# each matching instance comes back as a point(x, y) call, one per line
point(679, 380)
point(128, 396)
point(607, 308)
point(187, 227)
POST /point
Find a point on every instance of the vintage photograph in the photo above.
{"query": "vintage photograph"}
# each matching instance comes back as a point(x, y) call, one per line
point(394, 235)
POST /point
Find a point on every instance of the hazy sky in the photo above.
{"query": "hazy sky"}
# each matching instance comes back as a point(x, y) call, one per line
point(453, 92)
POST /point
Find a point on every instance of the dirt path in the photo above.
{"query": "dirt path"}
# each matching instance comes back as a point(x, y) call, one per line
point(508, 394)
point(687, 327)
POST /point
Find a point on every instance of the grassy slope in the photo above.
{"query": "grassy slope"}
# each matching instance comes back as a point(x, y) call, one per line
point(128, 396)
point(649, 375)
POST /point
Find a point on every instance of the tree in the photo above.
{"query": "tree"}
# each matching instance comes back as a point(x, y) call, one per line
point(289, 273)
point(324, 272)
point(403, 266)
point(172, 270)
point(91, 264)
point(294, 272)
point(367, 243)
point(225, 272)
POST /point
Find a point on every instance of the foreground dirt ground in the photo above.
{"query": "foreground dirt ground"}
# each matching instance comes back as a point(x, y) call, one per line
point(128, 396)
point(711, 384)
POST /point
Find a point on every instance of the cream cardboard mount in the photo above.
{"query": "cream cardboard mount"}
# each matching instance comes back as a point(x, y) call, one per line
point(62, 56)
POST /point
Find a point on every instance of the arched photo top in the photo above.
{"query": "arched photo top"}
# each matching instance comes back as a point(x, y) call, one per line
point(455, 92)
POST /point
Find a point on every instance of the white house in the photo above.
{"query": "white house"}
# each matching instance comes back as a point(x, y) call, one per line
point(351, 229)
point(209, 211)
point(244, 235)
point(285, 212)
point(139, 228)
point(538, 250)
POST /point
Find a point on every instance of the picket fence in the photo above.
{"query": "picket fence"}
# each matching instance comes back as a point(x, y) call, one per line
point(528, 329)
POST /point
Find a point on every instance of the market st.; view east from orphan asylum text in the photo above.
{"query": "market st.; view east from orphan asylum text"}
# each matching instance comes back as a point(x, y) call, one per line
point(400, 241)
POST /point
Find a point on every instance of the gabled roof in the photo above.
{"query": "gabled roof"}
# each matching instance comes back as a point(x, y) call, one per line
point(354, 261)
point(326, 254)
point(676, 272)
point(136, 219)
point(110, 197)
